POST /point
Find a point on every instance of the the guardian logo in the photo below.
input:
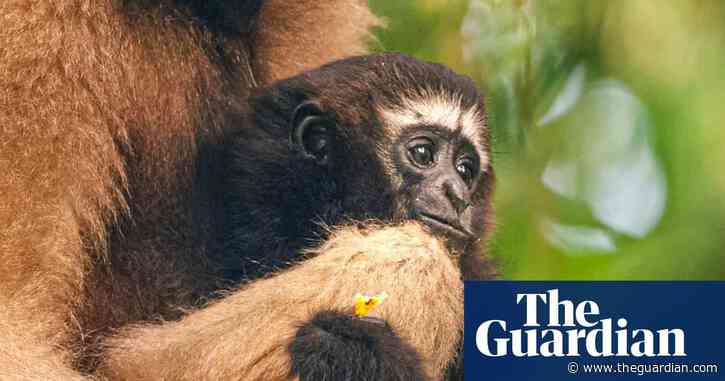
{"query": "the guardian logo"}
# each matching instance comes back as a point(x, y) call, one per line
point(572, 330)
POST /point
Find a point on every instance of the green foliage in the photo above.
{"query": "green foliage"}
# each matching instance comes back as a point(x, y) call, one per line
point(608, 124)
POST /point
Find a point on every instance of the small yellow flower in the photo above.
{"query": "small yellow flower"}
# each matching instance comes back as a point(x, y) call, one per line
point(364, 304)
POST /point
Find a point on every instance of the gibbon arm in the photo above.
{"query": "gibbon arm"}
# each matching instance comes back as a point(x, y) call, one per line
point(299, 319)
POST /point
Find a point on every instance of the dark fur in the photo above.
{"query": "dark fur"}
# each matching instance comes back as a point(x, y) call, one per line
point(114, 120)
point(337, 346)
point(276, 203)
point(110, 112)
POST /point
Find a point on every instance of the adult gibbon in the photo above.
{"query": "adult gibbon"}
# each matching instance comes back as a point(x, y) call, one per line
point(122, 151)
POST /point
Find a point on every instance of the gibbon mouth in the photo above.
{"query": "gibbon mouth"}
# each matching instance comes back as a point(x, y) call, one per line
point(443, 224)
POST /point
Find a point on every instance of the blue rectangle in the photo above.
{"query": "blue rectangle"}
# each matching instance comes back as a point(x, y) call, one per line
point(659, 331)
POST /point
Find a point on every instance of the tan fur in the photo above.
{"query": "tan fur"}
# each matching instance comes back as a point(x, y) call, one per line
point(307, 34)
point(100, 116)
point(425, 307)
point(100, 121)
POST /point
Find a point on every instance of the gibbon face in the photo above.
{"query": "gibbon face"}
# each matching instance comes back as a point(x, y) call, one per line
point(382, 137)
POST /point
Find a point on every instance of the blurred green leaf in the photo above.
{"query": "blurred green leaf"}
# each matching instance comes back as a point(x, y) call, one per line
point(655, 131)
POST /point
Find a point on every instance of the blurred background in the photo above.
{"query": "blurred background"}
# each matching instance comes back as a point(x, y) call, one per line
point(609, 127)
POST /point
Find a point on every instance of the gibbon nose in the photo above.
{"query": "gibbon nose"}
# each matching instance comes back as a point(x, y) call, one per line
point(457, 194)
point(442, 204)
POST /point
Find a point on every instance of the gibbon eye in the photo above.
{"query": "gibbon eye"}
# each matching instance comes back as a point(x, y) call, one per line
point(422, 152)
point(466, 168)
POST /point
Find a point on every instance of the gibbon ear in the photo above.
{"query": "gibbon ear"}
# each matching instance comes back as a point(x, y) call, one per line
point(312, 132)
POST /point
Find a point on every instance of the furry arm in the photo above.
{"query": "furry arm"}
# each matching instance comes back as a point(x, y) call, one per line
point(251, 333)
